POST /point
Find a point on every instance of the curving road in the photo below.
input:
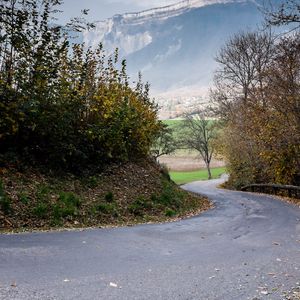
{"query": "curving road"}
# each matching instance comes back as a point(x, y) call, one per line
point(248, 247)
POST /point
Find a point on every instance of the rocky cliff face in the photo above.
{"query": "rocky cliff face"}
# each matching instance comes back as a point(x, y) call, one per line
point(174, 46)
point(131, 32)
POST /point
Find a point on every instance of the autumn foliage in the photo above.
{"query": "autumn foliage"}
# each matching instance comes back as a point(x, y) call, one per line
point(257, 94)
point(61, 104)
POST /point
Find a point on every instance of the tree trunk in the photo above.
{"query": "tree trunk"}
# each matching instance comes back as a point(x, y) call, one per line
point(208, 171)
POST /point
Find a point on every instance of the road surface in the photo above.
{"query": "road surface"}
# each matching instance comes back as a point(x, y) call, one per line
point(247, 247)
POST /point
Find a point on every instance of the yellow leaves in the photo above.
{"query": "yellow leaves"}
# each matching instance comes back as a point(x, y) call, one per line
point(265, 140)
point(82, 101)
point(14, 128)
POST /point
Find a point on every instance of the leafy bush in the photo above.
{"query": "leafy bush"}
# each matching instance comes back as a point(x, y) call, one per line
point(92, 182)
point(69, 199)
point(62, 105)
point(42, 193)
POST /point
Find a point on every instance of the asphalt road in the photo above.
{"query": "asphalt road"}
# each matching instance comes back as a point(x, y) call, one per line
point(248, 247)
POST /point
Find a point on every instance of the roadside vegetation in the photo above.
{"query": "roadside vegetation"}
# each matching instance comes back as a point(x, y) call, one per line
point(257, 96)
point(255, 101)
point(123, 194)
point(76, 136)
point(62, 105)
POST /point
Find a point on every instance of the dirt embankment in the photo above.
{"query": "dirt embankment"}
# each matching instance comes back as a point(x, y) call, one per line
point(123, 194)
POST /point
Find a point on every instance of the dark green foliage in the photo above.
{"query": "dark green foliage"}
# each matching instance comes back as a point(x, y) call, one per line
point(62, 105)
point(109, 197)
point(62, 211)
point(169, 197)
point(69, 199)
point(42, 193)
point(41, 210)
point(139, 206)
point(92, 182)
point(66, 205)
point(5, 202)
point(108, 209)
point(24, 198)
point(170, 213)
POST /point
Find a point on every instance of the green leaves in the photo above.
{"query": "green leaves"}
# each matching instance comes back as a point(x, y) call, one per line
point(63, 105)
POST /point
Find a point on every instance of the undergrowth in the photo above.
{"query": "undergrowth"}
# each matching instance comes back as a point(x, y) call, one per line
point(129, 195)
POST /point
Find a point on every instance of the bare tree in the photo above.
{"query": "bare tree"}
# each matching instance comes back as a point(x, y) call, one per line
point(243, 62)
point(197, 133)
point(286, 13)
point(262, 109)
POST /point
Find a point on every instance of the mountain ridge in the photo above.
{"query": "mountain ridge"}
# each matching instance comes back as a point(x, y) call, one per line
point(107, 26)
point(178, 7)
point(174, 46)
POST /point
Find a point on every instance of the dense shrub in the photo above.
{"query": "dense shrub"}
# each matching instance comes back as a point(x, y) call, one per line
point(62, 104)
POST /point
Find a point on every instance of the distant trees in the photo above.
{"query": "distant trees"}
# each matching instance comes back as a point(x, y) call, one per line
point(257, 95)
point(286, 13)
point(242, 64)
point(64, 105)
point(165, 142)
point(198, 132)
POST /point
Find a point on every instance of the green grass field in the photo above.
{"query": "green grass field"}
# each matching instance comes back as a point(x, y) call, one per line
point(173, 122)
point(186, 177)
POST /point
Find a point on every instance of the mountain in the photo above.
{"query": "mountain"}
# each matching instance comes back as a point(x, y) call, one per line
point(174, 46)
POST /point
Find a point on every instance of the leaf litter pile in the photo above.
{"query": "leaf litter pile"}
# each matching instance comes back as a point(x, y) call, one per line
point(121, 195)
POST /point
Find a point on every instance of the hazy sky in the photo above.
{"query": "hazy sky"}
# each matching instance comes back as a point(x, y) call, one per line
point(103, 9)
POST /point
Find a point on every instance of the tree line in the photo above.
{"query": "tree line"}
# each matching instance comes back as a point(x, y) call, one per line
point(257, 97)
point(63, 105)
point(255, 104)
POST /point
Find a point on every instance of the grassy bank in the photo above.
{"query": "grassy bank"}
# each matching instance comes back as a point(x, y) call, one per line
point(123, 194)
point(186, 177)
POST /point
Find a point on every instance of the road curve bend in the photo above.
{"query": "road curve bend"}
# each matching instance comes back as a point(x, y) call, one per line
point(247, 247)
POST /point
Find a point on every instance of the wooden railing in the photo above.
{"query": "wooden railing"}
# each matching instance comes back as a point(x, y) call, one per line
point(275, 189)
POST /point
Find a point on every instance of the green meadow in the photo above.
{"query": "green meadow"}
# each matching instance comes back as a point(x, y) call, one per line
point(186, 177)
